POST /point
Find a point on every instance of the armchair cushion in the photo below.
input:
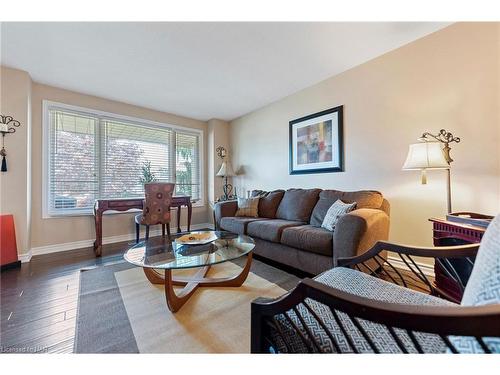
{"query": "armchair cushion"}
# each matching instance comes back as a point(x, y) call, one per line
point(360, 284)
point(309, 238)
point(483, 287)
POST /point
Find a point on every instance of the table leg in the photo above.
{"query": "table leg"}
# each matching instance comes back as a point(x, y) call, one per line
point(233, 281)
point(176, 300)
point(190, 211)
point(98, 232)
point(179, 219)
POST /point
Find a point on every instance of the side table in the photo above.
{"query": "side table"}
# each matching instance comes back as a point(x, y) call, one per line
point(449, 233)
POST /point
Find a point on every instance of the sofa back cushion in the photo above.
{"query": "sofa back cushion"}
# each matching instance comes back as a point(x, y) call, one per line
point(268, 202)
point(297, 204)
point(363, 199)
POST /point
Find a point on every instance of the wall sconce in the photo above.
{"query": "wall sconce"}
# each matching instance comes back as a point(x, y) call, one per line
point(7, 125)
point(428, 154)
point(221, 152)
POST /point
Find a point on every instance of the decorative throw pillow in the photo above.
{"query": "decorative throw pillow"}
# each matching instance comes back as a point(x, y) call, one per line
point(335, 211)
point(248, 207)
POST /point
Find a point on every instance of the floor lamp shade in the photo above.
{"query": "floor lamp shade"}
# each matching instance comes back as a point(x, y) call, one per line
point(425, 155)
point(428, 155)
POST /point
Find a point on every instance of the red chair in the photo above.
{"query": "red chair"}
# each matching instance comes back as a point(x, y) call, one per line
point(8, 246)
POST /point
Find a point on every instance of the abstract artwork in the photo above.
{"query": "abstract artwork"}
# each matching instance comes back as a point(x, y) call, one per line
point(316, 144)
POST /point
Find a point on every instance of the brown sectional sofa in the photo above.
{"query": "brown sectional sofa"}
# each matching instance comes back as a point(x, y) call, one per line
point(288, 229)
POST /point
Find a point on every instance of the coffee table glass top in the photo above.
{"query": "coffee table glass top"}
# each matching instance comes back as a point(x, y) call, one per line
point(164, 253)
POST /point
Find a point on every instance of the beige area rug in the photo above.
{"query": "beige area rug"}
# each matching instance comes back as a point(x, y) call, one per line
point(214, 320)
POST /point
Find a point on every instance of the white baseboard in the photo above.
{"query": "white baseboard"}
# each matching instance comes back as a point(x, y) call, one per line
point(25, 258)
point(427, 269)
point(68, 246)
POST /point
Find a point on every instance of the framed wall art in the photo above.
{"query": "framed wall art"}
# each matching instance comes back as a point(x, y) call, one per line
point(316, 142)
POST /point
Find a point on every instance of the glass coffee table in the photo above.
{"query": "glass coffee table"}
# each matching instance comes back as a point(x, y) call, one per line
point(159, 254)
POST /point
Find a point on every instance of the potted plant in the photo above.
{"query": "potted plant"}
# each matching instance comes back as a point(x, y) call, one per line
point(147, 175)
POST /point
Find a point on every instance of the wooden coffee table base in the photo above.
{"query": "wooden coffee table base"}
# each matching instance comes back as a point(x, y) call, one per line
point(176, 300)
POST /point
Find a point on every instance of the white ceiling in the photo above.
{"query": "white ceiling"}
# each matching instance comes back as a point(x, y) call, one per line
point(197, 70)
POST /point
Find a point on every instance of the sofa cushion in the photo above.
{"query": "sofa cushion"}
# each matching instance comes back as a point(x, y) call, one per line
point(269, 202)
point(363, 199)
point(236, 224)
point(297, 204)
point(361, 284)
point(270, 229)
point(309, 238)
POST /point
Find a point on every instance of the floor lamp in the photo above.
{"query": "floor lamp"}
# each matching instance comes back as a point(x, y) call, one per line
point(429, 154)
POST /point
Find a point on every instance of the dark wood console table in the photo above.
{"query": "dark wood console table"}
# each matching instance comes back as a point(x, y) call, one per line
point(125, 204)
point(450, 233)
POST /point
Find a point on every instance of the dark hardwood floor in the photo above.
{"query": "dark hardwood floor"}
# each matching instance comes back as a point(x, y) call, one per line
point(39, 300)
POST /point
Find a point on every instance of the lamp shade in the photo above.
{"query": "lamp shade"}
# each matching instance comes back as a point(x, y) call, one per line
point(425, 155)
point(226, 170)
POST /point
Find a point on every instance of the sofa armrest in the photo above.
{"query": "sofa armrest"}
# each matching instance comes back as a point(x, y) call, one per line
point(358, 231)
point(224, 209)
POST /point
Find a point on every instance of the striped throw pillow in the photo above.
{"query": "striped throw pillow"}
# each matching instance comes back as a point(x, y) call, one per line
point(335, 211)
point(248, 207)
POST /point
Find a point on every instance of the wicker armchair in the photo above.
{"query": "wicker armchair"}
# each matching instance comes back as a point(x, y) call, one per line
point(345, 310)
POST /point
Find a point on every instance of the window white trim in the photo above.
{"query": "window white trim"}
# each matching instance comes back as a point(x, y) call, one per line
point(47, 105)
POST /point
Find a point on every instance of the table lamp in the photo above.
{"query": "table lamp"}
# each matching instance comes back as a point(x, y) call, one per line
point(429, 154)
point(225, 171)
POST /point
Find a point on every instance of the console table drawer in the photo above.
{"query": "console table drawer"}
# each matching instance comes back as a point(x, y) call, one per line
point(127, 203)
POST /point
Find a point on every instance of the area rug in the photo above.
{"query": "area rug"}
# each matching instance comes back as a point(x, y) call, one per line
point(119, 311)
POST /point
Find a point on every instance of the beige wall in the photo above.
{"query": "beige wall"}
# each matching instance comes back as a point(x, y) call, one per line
point(218, 135)
point(15, 193)
point(61, 230)
point(449, 79)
